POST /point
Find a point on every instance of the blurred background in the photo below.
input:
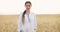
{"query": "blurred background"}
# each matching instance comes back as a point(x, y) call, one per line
point(47, 14)
point(45, 23)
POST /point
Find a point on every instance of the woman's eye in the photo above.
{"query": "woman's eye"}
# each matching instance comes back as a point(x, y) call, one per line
point(28, 5)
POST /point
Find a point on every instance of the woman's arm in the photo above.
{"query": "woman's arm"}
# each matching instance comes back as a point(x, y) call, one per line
point(35, 23)
point(19, 24)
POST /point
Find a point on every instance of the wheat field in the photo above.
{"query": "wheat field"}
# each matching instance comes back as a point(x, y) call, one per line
point(45, 23)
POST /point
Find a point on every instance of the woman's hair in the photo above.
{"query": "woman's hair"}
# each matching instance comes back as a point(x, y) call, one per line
point(27, 2)
point(23, 17)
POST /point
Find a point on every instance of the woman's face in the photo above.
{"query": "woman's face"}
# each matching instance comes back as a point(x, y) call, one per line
point(28, 6)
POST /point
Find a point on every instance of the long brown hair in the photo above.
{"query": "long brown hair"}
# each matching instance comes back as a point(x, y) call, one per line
point(23, 17)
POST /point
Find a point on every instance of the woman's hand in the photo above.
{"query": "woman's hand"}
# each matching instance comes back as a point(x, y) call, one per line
point(27, 30)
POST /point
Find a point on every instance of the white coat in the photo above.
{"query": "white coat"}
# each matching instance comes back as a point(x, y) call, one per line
point(30, 23)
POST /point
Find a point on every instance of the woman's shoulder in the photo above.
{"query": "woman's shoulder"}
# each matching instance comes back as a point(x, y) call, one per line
point(20, 14)
point(32, 13)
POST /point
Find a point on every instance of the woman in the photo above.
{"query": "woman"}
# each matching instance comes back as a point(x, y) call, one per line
point(27, 20)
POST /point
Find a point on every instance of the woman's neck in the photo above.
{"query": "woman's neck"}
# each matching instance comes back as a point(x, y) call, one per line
point(27, 11)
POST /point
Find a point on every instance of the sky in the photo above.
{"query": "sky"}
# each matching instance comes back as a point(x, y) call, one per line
point(15, 7)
